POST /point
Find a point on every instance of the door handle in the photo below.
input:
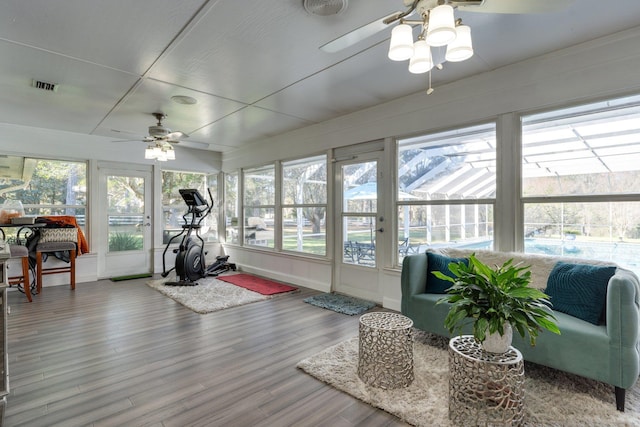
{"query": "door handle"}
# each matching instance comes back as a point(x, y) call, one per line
point(148, 224)
point(381, 229)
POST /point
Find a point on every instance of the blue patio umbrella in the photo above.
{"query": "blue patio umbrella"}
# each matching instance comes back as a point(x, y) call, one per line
point(369, 191)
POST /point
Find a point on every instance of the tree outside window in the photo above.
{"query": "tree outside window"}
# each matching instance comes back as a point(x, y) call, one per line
point(174, 207)
point(304, 205)
point(45, 187)
point(259, 206)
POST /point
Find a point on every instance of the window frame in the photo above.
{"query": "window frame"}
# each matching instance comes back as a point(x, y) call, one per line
point(607, 107)
point(244, 206)
point(209, 181)
point(284, 206)
point(31, 209)
point(401, 248)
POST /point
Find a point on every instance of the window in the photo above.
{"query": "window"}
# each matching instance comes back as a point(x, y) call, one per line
point(174, 207)
point(304, 205)
point(580, 181)
point(446, 189)
point(45, 187)
point(125, 212)
point(259, 206)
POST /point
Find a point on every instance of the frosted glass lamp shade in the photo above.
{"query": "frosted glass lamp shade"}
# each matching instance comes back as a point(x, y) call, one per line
point(421, 61)
point(401, 46)
point(461, 48)
point(171, 155)
point(149, 154)
point(442, 27)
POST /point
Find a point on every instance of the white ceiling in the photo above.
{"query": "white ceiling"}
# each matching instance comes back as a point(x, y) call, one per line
point(254, 66)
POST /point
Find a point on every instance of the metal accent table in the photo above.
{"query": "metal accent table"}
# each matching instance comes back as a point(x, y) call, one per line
point(385, 357)
point(484, 388)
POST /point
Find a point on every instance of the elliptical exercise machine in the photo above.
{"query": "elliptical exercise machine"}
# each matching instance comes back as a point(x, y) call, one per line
point(190, 254)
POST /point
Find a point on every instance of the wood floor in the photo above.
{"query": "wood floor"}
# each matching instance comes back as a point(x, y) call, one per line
point(122, 354)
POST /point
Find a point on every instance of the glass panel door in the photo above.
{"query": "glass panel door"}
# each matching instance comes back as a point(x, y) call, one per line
point(126, 213)
point(359, 227)
point(360, 204)
point(125, 222)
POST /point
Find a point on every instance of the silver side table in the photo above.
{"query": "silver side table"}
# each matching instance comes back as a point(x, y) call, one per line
point(385, 357)
point(485, 389)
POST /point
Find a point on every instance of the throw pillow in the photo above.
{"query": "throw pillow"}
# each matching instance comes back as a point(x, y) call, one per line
point(580, 290)
point(58, 234)
point(437, 262)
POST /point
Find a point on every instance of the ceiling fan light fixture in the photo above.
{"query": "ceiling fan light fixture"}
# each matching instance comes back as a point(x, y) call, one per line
point(421, 61)
point(461, 48)
point(149, 154)
point(159, 153)
point(442, 28)
point(401, 45)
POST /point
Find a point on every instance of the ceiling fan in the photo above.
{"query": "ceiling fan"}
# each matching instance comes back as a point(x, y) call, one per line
point(159, 133)
point(422, 6)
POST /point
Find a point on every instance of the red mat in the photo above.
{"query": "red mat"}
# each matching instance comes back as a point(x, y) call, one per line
point(257, 284)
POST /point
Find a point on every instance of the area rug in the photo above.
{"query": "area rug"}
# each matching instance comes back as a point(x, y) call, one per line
point(257, 284)
point(340, 303)
point(552, 398)
point(210, 295)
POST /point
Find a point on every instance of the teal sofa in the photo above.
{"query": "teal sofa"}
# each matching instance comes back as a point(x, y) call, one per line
point(608, 352)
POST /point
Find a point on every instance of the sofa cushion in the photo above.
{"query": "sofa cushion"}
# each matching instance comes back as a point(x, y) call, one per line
point(580, 290)
point(437, 262)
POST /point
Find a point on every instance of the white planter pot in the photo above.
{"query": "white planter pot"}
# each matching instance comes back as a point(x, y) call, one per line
point(496, 343)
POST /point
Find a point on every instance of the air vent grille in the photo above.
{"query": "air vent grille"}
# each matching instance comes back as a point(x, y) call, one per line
point(325, 7)
point(51, 87)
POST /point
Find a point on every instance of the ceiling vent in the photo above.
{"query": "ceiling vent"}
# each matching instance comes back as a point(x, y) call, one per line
point(325, 7)
point(51, 87)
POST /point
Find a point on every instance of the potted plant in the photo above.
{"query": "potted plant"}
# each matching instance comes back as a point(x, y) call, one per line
point(496, 300)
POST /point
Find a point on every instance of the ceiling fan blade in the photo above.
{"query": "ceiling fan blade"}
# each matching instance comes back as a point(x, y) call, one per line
point(146, 139)
point(357, 35)
point(192, 144)
point(515, 6)
point(176, 136)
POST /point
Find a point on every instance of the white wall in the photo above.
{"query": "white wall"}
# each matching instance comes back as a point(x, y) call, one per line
point(598, 69)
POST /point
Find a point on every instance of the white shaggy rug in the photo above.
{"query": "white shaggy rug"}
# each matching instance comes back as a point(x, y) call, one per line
point(553, 398)
point(210, 295)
